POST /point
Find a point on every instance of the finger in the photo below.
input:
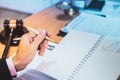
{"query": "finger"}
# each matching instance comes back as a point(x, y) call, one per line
point(43, 47)
point(49, 34)
point(38, 39)
point(28, 38)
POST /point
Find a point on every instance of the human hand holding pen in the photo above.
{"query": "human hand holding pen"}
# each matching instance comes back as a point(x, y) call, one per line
point(30, 29)
point(28, 47)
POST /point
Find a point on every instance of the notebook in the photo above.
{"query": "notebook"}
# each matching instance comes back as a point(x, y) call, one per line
point(83, 56)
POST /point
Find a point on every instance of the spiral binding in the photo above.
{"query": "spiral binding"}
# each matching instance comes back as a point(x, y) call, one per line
point(86, 57)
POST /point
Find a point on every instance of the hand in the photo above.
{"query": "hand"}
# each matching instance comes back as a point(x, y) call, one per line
point(28, 47)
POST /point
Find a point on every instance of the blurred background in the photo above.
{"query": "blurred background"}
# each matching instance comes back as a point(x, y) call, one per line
point(19, 9)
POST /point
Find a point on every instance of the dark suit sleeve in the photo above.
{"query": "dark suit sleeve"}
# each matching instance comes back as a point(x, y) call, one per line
point(4, 71)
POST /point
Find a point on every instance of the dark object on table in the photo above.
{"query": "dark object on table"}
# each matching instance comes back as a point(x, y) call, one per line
point(96, 5)
point(18, 32)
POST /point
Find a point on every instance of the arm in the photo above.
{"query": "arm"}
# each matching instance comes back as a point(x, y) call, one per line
point(27, 48)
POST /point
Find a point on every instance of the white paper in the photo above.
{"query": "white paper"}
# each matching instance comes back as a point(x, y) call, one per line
point(68, 54)
point(104, 64)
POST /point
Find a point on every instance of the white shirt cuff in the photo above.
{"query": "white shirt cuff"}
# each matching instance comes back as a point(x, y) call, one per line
point(11, 66)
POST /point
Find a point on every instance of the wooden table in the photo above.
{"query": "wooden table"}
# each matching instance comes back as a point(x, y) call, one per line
point(46, 19)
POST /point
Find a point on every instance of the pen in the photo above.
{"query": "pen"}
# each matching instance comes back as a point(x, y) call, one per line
point(102, 15)
point(36, 32)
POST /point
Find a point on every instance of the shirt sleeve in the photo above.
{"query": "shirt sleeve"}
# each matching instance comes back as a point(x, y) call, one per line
point(4, 71)
point(11, 67)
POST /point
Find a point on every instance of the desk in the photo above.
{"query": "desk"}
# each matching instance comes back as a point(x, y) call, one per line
point(45, 19)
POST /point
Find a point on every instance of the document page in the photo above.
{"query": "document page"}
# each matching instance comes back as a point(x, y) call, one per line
point(68, 54)
point(94, 24)
point(104, 64)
